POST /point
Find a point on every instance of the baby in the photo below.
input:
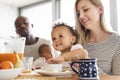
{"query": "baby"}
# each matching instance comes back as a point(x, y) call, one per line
point(65, 40)
point(45, 53)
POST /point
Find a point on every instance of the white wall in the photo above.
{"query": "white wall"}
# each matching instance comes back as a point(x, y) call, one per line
point(8, 14)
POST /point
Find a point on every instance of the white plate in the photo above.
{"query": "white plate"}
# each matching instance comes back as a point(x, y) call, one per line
point(66, 73)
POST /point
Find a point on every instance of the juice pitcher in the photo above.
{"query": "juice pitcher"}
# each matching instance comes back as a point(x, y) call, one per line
point(12, 49)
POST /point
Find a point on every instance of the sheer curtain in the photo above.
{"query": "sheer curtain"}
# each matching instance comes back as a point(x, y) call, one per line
point(106, 5)
point(67, 12)
point(41, 17)
point(118, 15)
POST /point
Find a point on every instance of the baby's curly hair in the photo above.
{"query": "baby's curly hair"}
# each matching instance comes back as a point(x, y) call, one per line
point(73, 31)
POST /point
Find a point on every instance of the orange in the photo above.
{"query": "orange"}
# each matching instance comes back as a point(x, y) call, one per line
point(6, 64)
point(10, 56)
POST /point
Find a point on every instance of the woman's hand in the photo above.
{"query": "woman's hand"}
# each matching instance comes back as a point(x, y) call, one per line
point(58, 59)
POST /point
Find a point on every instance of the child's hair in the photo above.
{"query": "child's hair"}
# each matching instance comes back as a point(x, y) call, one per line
point(73, 31)
point(41, 48)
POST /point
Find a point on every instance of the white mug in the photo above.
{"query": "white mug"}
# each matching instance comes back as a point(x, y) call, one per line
point(53, 67)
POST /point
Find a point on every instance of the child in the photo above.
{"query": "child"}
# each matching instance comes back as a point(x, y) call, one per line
point(45, 53)
point(65, 40)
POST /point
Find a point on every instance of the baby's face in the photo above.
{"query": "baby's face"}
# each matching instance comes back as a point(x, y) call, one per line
point(62, 38)
point(47, 53)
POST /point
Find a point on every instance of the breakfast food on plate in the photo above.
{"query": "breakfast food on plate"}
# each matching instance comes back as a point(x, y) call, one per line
point(6, 64)
point(66, 69)
point(51, 70)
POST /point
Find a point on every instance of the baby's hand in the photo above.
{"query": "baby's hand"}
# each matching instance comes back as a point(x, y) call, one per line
point(37, 67)
point(58, 59)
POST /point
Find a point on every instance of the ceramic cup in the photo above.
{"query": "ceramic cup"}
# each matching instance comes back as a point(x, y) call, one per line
point(87, 69)
point(53, 67)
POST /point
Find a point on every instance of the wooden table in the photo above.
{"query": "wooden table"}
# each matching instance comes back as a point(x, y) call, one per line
point(34, 76)
point(102, 77)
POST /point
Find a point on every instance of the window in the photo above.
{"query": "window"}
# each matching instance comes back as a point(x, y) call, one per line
point(67, 11)
point(41, 17)
point(46, 12)
point(118, 15)
point(106, 6)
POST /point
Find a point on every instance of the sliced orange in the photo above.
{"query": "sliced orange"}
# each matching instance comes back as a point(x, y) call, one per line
point(6, 65)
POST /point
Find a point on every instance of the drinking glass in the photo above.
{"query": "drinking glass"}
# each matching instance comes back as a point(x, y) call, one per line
point(27, 64)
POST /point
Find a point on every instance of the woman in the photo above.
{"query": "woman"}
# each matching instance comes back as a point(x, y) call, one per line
point(100, 42)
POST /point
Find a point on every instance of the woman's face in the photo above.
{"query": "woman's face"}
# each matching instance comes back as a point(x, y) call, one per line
point(88, 14)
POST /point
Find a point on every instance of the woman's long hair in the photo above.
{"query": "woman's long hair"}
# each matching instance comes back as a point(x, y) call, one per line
point(83, 33)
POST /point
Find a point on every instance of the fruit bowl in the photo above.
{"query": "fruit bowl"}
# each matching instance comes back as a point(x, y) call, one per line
point(8, 74)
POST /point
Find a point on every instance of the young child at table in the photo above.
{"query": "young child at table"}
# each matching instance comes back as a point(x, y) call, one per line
point(45, 52)
point(64, 39)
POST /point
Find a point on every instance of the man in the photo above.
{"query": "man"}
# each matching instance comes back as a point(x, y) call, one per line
point(24, 29)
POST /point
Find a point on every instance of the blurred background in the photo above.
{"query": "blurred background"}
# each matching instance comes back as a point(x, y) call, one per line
point(44, 12)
